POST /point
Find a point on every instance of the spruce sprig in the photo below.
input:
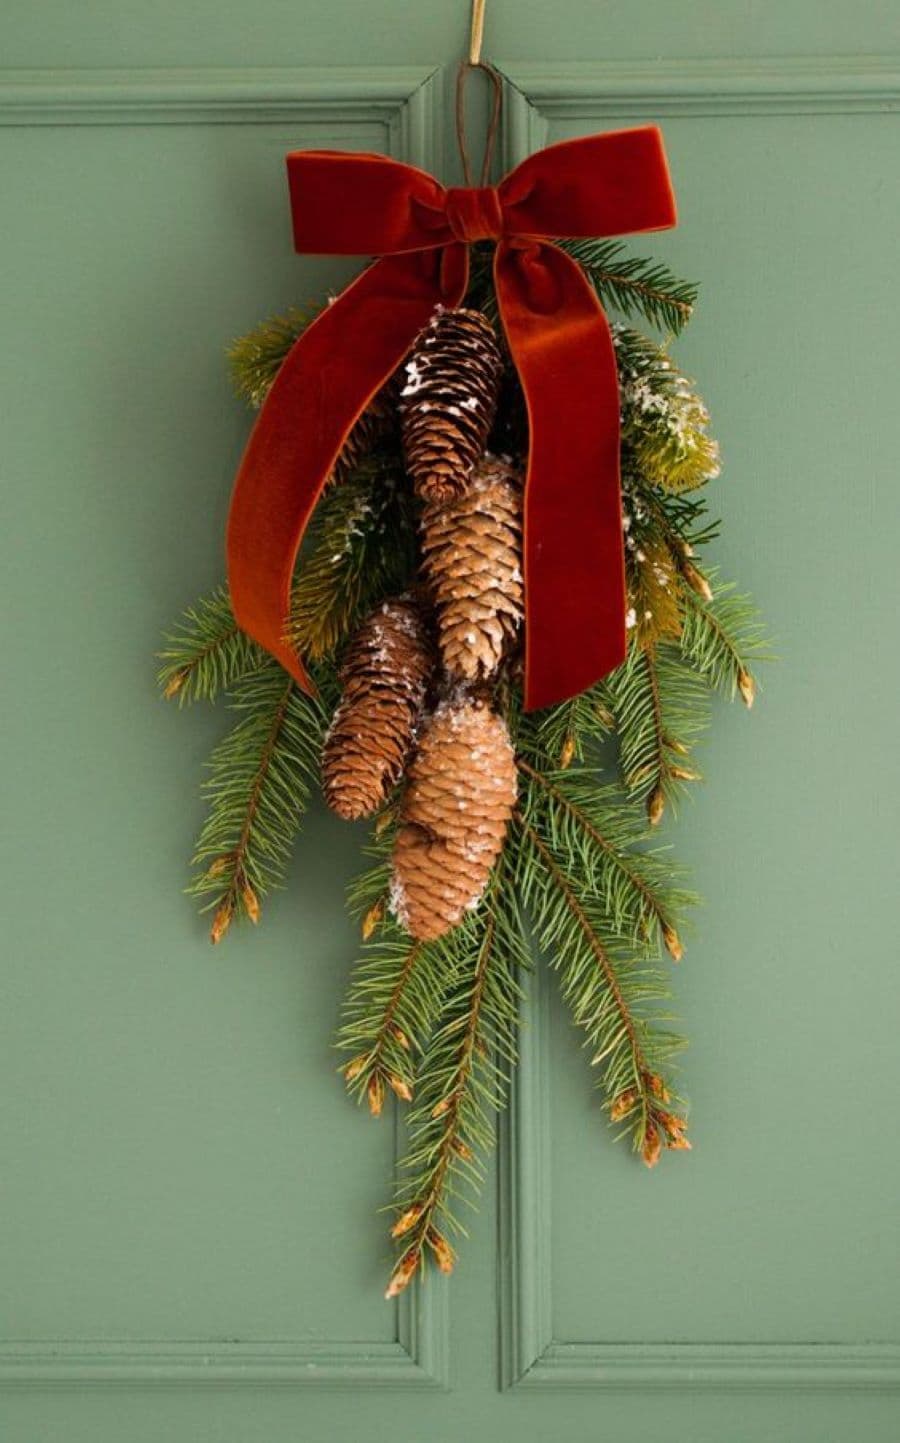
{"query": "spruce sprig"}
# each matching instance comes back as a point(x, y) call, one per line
point(613, 989)
point(462, 1084)
point(360, 548)
point(256, 358)
point(660, 707)
point(257, 791)
point(635, 285)
point(722, 636)
point(206, 652)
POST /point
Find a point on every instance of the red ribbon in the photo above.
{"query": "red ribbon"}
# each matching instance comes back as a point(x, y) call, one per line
point(558, 336)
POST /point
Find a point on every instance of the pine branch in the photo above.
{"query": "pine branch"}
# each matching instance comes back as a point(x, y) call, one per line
point(613, 999)
point(361, 547)
point(721, 634)
point(585, 822)
point(257, 790)
point(255, 359)
point(664, 421)
point(569, 731)
point(206, 652)
point(463, 1081)
point(660, 706)
point(634, 284)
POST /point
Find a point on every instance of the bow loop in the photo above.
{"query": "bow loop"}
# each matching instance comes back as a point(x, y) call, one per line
point(559, 340)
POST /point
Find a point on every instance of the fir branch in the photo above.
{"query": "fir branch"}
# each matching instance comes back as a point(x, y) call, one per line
point(613, 999)
point(721, 634)
point(255, 359)
point(206, 652)
point(586, 823)
point(463, 1079)
point(567, 732)
point(664, 421)
point(660, 707)
point(257, 791)
point(361, 547)
point(635, 285)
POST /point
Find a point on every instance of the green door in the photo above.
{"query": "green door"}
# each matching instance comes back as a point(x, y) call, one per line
point(188, 1229)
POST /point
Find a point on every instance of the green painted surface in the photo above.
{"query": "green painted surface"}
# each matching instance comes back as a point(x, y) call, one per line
point(182, 1175)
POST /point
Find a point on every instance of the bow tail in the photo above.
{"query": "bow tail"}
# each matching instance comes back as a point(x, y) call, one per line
point(574, 565)
point(325, 383)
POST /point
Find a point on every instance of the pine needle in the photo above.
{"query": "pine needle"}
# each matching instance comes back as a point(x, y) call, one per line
point(206, 652)
point(635, 285)
point(255, 359)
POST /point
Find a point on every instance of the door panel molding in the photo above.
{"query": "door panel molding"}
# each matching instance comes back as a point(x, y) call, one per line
point(407, 102)
point(530, 1355)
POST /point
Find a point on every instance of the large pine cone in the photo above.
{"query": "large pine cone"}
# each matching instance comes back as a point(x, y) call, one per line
point(459, 798)
point(472, 558)
point(449, 401)
point(385, 677)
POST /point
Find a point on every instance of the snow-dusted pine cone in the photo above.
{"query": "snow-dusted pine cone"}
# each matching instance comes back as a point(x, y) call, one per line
point(385, 677)
point(449, 401)
point(460, 793)
point(472, 559)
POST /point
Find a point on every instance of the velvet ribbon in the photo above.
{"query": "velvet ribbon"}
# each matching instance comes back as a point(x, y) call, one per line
point(560, 342)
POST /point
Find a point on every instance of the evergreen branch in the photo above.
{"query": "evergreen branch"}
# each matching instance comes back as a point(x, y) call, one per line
point(611, 998)
point(463, 1080)
point(206, 652)
point(567, 732)
point(660, 706)
point(721, 634)
point(635, 284)
point(664, 421)
point(598, 838)
point(258, 790)
point(361, 548)
point(255, 359)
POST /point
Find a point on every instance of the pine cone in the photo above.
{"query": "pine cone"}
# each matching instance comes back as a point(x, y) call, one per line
point(459, 797)
point(472, 559)
point(449, 402)
point(385, 675)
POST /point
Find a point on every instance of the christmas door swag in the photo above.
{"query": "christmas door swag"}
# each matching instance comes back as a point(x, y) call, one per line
point(465, 591)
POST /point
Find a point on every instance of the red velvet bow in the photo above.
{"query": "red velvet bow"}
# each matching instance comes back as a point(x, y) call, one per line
point(347, 204)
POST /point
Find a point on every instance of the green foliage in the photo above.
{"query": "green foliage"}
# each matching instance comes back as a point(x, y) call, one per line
point(722, 638)
point(462, 1082)
point(614, 988)
point(664, 421)
point(635, 285)
point(255, 359)
point(206, 652)
point(660, 707)
point(360, 548)
point(257, 792)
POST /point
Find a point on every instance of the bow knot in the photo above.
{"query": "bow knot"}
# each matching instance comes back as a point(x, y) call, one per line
point(559, 341)
point(474, 213)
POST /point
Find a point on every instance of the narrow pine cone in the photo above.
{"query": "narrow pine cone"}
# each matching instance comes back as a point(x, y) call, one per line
point(460, 794)
point(472, 559)
point(449, 401)
point(384, 679)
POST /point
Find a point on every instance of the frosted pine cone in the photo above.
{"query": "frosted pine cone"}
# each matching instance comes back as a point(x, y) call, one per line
point(385, 676)
point(459, 798)
point(472, 558)
point(449, 401)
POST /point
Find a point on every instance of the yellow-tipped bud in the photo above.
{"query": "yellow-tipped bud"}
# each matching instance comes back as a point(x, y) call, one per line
point(174, 684)
point(401, 1088)
point(221, 921)
point(684, 774)
point(747, 687)
point(372, 919)
point(652, 1148)
point(403, 1273)
point(623, 1104)
point(673, 943)
point(251, 902)
point(355, 1067)
point(400, 1036)
point(406, 1220)
point(462, 1149)
point(441, 1107)
point(567, 752)
point(656, 805)
point(697, 581)
point(375, 1094)
point(220, 865)
point(444, 1255)
point(657, 1086)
